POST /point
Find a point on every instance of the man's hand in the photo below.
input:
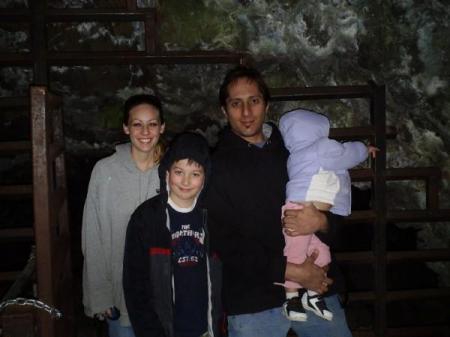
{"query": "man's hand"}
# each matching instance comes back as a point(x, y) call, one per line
point(309, 275)
point(304, 221)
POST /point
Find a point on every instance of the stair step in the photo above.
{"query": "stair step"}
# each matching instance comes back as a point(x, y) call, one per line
point(355, 133)
point(410, 173)
point(419, 331)
point(364, 257)
point(17, 233)
point(15, 147)
point(398, 295)
point(419, 255)
point(422, 215)
point(366, 216)
point(123, 57)
point(407, 215)
point(9, 275)
point(15, 102)
point(16, 190)
point(410, 331)
point(314, 93)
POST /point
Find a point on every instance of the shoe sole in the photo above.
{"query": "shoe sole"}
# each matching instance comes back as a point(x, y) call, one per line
point(307, 307)
point(300, 319)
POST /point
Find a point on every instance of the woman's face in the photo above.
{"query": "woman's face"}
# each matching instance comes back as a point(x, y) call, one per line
point(144, 128)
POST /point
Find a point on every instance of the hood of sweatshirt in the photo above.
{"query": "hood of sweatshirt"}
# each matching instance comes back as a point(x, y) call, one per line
point(141, 181)
point(123, 156)
point(300, 128)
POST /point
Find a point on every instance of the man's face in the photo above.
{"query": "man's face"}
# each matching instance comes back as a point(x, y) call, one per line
point(246, 110)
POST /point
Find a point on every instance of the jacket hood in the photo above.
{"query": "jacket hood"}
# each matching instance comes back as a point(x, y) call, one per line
point(123, 155)
point(187, 145)
point(300, 128)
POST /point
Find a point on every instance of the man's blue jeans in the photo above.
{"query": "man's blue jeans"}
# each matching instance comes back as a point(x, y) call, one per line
point(116, 330)
point(272, 323)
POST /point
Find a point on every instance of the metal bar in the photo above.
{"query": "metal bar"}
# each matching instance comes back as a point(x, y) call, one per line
point(16, 59)
point(131, 5)
point(413, 173)
point(315, 93)
point(8, 275)
point(15, 102)
point(39, 41)
point(363, 132)
point(41, 203)
point(150, 34)
point(367, 216)
point(419, 255)
point(410, 173)
point(432, 193)
point(420, 331)
point(378, 119)
point(15, 147)
point(14, 15)
point(355, 257)
point(122, 57)
point(97, 15)
point(361, 296)
point(421, 215)
point(413, 294)
point(16, 233)
point(16, 190)
point(137, 57)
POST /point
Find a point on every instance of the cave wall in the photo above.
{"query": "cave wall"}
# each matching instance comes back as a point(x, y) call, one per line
point(403, 44)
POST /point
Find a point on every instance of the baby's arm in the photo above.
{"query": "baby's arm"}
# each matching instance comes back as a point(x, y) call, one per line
point(334, 155)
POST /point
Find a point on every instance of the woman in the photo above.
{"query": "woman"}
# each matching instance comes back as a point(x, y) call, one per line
point(119, 183)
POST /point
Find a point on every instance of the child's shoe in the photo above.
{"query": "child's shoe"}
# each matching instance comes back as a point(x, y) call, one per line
point(293, 309)
point(317, 305)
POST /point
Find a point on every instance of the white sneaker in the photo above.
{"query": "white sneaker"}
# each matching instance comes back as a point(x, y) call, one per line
point(293, 310)
point(317, 305)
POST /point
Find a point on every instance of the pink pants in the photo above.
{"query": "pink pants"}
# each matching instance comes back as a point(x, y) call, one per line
point(297, 248)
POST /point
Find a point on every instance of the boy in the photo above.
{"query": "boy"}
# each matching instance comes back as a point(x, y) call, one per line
point(170, 283)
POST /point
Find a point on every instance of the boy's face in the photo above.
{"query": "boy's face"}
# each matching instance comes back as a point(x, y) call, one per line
point(185, 179)
point(246, 110)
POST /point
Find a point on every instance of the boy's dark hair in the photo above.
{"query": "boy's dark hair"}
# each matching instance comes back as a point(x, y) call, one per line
point(136, 100)
point(235, 74)
point(186, 145)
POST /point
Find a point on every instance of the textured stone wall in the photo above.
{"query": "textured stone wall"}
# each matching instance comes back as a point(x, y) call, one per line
point(403, 44)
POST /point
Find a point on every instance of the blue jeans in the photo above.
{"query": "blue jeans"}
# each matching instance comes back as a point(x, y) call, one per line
point(272, 323)
point(116, 330)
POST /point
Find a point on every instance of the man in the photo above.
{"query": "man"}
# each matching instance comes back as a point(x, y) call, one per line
point(244, 204)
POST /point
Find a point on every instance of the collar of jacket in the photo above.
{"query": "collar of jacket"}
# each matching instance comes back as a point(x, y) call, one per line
point(230, 139)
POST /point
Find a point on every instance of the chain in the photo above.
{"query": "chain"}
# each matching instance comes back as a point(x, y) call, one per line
point(34, 303)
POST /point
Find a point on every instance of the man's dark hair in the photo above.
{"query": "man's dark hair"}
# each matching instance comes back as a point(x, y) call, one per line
point(136, 100)
point(235, 74)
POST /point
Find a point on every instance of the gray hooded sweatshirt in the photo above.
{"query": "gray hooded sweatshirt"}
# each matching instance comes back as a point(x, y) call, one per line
point(115, 190)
